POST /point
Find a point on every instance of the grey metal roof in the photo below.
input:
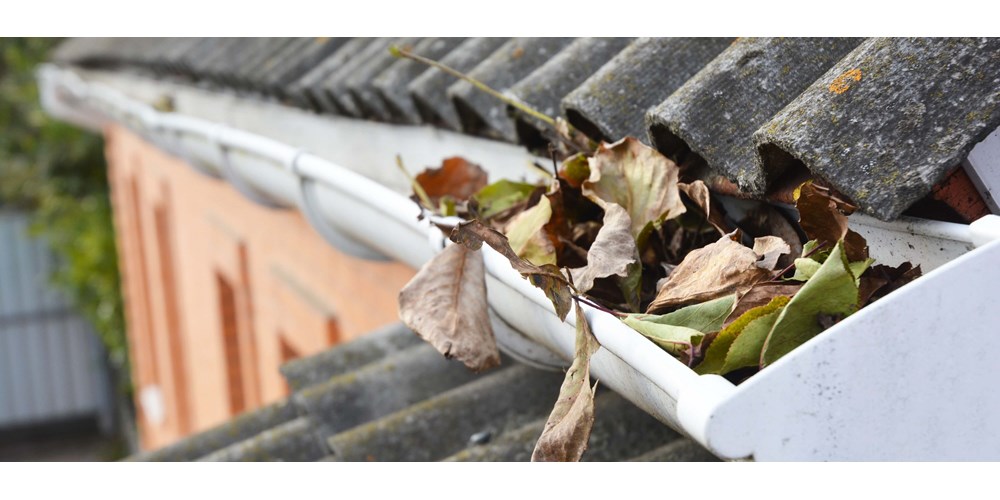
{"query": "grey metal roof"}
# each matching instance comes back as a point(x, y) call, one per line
point(388, 396)
point(881, 120)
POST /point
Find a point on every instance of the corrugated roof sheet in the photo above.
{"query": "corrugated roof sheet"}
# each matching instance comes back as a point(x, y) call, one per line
point(882, 120)
point(388, 396)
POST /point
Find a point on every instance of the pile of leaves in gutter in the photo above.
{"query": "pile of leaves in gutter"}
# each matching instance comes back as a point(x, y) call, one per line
point(619, 231)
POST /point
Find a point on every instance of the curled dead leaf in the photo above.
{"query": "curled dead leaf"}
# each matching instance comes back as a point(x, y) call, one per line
point(721, 268)
point(445, 304)
point(699, 194)
point(613, 253)
point(770, 249)
point(567, 430)
point(640, 179)
point(456, 177)
point(823, 217)
point(556, 287)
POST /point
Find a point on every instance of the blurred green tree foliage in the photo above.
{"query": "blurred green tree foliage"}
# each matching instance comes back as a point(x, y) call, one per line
point(57, 172)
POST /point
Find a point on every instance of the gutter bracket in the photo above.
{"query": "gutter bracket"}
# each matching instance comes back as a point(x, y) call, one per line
point(308, 199)
point(230, 175)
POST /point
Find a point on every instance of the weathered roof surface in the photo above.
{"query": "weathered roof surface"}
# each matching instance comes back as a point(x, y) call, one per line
point(607, 104)
point(545, 87)
point(392, 84)
point(891, 118)
point(430, 90)
point(480, 113)
point(389, 396)
point(746, 113)
point(715, 113)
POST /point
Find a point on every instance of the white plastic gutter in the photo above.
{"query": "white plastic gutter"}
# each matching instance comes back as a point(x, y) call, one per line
point(882, 384)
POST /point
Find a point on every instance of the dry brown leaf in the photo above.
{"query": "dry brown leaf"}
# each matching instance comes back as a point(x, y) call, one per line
point(445, 304)
point(823, 217)
point(456, 177)
point(765, 220)
point(567, 430)
point(698, 192)
point(473, 234)
point(718, 269)
point(770, 249)
point(640, 179)
point(613, 253)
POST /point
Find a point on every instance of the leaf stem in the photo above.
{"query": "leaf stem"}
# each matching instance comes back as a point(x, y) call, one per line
point(417, 188)
point(524, 108)
point(599, 307)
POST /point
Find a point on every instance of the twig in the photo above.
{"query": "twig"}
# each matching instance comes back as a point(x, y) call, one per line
point(524, 108)
point(555, 165)
point(599, 307)
point(417, 188)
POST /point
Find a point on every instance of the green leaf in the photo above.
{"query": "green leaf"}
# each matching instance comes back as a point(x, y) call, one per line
point(746, 349)
point(831, 290)
point(502, 195)
point(674, 339)
point(718, 353)
point(705, 317)
point(685, 327)
point(805, 269)
point(527, 237)
point(575, 170)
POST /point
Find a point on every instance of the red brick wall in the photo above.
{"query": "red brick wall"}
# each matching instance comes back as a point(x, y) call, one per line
point(199, 262)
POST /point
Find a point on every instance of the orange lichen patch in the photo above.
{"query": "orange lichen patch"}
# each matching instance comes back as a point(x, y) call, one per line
point(518, 52)
point(843, 82)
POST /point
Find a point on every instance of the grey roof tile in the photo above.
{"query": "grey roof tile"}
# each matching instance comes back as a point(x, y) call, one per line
point(715, 113)
point(546, 86)
point(391, 85)
point(621, 431)
point(405, 402)
point(441, 426)
point(292, 441)
point(238, 429)
point(611, 104)
point(515, 445)
point(481, 113)
point(681, 450)
point(307, 90)
point(299, 63)
point(360, 82)
point(335, 83)
point(381, 388)
point(257, 77)
point(318, 368)
point(429, 90)
point(891, 119)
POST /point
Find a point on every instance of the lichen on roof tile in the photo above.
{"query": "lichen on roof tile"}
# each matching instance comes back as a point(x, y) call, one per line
point(890, 119)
